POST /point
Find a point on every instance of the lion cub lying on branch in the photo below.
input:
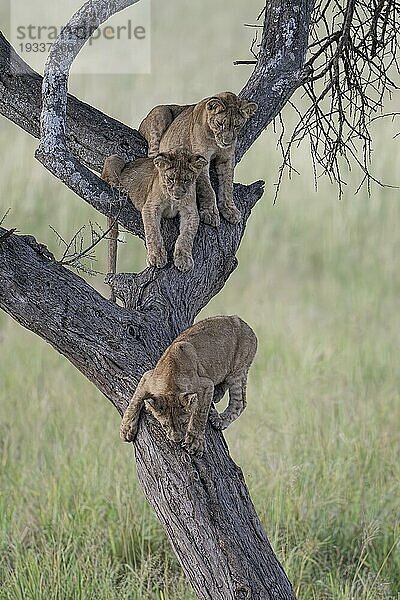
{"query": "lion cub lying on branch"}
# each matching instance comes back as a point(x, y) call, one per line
point(160, 187)
point(179, 390)
point(209, 128)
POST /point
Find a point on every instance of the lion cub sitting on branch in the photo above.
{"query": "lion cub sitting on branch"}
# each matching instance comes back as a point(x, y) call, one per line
point(179, 390)
point(160, 187)
point(209, 128)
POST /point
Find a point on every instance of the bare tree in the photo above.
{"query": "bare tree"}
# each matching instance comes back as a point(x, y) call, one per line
point(203, 504)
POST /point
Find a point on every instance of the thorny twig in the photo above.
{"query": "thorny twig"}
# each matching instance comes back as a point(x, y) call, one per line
point(75, 252)
point(255, 41)
point(353, 67)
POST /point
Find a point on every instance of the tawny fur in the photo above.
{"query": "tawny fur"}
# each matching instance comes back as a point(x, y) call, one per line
point(209, 128)
point(159, 187)
point(179, 390)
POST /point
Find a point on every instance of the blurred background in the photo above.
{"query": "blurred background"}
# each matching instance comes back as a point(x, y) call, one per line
point(318, 280)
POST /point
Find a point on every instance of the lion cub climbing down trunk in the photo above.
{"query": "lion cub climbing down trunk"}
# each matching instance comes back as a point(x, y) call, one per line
point(179, 390)
point(160, 187)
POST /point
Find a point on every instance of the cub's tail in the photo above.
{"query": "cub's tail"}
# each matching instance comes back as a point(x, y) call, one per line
point(111, 174)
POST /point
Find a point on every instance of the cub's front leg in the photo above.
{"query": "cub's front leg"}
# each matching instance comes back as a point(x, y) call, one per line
point(156, 253)
point(206, 199)
point(189, 224)
point(225, 171)
point(130, 420)
point(195, 435)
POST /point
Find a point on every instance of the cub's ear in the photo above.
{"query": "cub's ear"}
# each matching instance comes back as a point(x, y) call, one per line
point(162, 161)
point(215, 105)
point(188, 400)
point(197, 162)
point(248, 108)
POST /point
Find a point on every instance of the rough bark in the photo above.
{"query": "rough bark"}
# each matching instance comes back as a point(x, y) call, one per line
point(219, 542)
point(91, 134)
point(101, 339)
point(280, 66)
point(53, 151)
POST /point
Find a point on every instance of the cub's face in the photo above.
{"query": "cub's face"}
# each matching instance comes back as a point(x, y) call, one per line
point(173, 412)
point(226, 115)
point(178, 172)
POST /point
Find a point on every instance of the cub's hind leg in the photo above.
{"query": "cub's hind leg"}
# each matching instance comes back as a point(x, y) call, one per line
point(214, 416)
point(237, 400)
point(153, 127)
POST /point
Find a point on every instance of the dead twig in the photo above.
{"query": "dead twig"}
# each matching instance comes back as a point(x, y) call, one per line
point(4, 217)
point(7, 234)
point(75, 252)
point(352, 68)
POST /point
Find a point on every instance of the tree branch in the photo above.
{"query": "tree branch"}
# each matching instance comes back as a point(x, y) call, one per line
point(279, 70)
point(91, 135)
point(76, 320)
point(53, 151)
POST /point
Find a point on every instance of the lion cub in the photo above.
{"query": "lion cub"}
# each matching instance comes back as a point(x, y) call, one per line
point(209, 128)
point(179, 390)
point(161, 187)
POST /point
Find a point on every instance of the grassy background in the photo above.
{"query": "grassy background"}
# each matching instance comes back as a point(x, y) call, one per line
point(319, 442)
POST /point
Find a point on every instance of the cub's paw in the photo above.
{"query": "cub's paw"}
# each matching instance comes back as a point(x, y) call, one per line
point(231, 213)
point(127, 431)
point(183, 260)
point(215, 419)
point(194, 444)
point(157, 258)
point(210, 216)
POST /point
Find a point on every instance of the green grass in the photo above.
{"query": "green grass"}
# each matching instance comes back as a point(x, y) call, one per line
point(319, 443)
